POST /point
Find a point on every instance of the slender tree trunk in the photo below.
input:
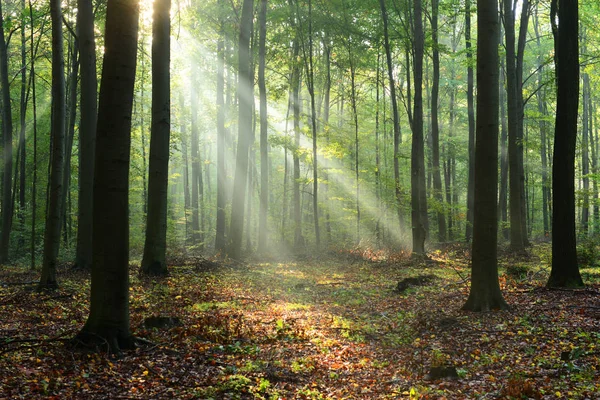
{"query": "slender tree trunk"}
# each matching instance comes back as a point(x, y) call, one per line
point(245, 138)
point(220, 243)
point(7, 154)
point(311, 89)
point(34, 172)
point(108, 321)
point(23, 128)
point(503, 206)
point(435, 129)
point(418, 200)
point(326, 111)
point(155, 246)
point(87, 132)
point(298, 238)
point(186, 168)
point(585, 157)
point(57, 190)
point(485, 294)
point(394, 101)
point(196, 233)
point(471, 116)
point(264, 149)
point(517, 241)
point(565, 269)
point(542, 111)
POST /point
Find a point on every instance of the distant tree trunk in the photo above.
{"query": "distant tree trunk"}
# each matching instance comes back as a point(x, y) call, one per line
point(71, 107)
point(87, 132)
point(23, 127)
point(186, 167)
point(542, 111)
point(418, 199)
point(326, 111)
point(298, 238)
point(525, 10)
point(34, 172)
point(435, 129)
point(471, 114)
point(503, 197)
point(220, 243)
point(565, 269)
point(585, 156)
point(485, 294)
point(356, 140)
point(245, 138)
point(155, 246)
point(108, 321)
point(196, 233)
point(394, 100)
point(311, 88)
point(57, 191)
point(7, 146)
point(517, 241)
point(264, 145)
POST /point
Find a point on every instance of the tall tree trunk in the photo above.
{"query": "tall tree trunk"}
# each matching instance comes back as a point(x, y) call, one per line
point(471, 114)
point(298, 238)
point(435, 129)
point(245, 138)
point(565, 269)
point(542, 111)
point(220, 244)
point(34, 172)
point(485, 294)
point(585, 156)
point(87, 132)
point(264, 145)
point(23, 127)
point(196, 233)
point(503, 197)
point(70, 136)
point(521, 114)
point(326, 111)
point(186, 168)
point(7, 146)
point(155, 246)
point(517, 241)
point(418, 199)
point(394, 101)
point(57, 190)
point(108, 321)
point(313, 114)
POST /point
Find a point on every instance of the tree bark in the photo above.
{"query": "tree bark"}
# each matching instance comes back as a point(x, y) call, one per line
point(485, 294)
point(565, 269)
point(108, 321)
point(155, 246)
point(57, 191)
point(7, 156)
point(245, 137)
point(220, 243)
point(87, 132)
point(418, 200)
point(435, 128)
point(264, 145)
point(471, 116)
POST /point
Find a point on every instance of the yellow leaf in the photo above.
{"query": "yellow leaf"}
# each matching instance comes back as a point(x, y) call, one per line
point(145, 373)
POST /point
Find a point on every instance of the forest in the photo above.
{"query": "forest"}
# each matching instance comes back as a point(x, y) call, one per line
point(299, 199)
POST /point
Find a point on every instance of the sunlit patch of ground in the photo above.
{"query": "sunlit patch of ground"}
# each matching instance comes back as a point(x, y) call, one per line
point(333, 328)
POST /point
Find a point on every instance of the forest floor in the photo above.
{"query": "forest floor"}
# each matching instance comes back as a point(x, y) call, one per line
point(335, 327)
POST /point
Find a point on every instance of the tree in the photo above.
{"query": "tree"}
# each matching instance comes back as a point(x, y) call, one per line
point(87, 132)
point(485, 294)
point(394, 100)
point(57, 190)
point(7, 146)
point(155, 247)
point(264, 149)
point(565, 269)
point(418, 199)
point(109, 304)
point(435, 129)
point(245, 135)
point(220, 244)
point(471, 115)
